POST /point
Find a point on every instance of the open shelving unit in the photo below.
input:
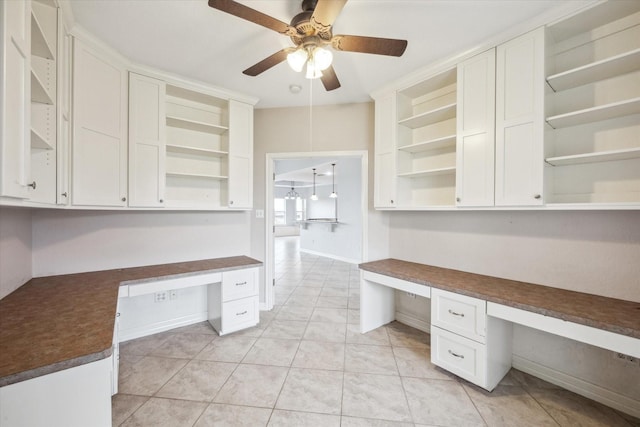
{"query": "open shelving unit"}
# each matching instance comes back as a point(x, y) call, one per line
point(426, 142)
point(592, 148)
point(43, 135)
point(197, 148)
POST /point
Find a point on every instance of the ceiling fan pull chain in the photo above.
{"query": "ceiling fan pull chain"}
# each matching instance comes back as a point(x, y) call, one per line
point(310, 115)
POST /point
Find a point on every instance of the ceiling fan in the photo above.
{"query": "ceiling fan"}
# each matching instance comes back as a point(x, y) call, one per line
point(311, 32)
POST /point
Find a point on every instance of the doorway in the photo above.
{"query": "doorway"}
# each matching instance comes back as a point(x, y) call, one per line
point(329, 227)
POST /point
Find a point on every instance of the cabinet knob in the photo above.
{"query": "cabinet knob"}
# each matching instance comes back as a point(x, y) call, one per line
point(458, 199)
point(161, 201)
point(124, 199)
point(536, 196)
point(64, 194)
point(230, 202)
point(391, 201)
point(32, 185)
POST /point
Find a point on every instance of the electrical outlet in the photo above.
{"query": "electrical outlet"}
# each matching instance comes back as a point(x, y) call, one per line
point(625, 358)
point(160, 297)
point(411, 295)
point(173, 294)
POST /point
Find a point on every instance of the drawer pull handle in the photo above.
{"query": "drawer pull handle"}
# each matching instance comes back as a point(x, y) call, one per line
point(241, 283)
point(459, 356)
point(241, 314)
point(455, 313)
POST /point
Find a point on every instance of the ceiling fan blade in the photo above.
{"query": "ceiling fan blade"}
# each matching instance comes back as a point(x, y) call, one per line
point(378, 46)
point(329, 79)
point(325, 14)
point(252, 15)
point(267, 63)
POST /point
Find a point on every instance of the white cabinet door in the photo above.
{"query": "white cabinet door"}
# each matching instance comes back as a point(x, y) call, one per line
point(99, 149)
point(15, 102)
point(520, 120)
point(475, 131)
point(240, 155)
point(147, 141)
point(64, 111)
point(385, 156)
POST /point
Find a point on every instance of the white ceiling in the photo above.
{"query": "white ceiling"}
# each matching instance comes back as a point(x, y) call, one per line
point(189, 38)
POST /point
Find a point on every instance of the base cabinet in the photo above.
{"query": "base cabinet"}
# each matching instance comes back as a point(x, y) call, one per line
point(463, 337)
point(74, 397)
point(233, 303)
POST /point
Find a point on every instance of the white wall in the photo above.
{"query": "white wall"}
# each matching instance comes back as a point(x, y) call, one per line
point(66, 241)
point(15, 248)
point(593, 252)
point(345, 241)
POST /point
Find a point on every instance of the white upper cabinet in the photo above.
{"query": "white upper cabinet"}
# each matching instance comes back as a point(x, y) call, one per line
point(385, 158)
point(520, 84)
point(240, 185)
point(475, 132)
point(99, 150)
point(146, 141)
point(15, 103)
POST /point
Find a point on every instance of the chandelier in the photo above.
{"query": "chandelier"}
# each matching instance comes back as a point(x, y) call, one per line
point(293, 194)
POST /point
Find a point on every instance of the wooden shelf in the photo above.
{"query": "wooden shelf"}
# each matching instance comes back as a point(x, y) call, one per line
point(38, 141)
point(432, 144)
point(600, 70)
point(196, 175)
point(430, 117)
point(596, 157)
point(39, 93)
point(39, 44)
point(183, 123)
point(603, 112)
point(195, 150)
point(430, 172)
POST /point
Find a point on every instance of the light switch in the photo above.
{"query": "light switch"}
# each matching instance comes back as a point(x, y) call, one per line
point(259, 213)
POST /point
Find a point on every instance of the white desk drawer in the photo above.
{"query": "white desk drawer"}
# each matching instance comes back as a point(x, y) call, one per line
point(461, 356)
point(460, 314)
point(239, 284)
point(239, 314)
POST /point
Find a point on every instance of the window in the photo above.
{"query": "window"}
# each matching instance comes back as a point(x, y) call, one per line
point(301, 209)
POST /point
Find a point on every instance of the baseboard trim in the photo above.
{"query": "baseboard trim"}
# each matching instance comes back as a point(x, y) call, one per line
point(165, 325)
point(336, 257)
point(413, 321)
point(579, 386)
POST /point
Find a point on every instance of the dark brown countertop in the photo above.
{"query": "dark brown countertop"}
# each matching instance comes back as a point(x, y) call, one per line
point(58, 322)
point(609, 314)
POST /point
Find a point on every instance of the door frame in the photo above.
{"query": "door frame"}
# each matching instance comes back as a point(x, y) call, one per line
point(269, 216)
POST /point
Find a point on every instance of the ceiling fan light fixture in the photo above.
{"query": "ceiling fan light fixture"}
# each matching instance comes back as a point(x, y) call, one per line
point(297, 59)
point(322, 58)
point(313, 72)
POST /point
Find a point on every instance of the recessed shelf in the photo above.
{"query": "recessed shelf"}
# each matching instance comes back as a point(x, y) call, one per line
point(195, 150)
point(38, 141)
point(183, 123)
point(432, 144)
point(197, 175)
point(600, 70)
point(595, 157)
point(429, 172)
point(594, 114)
point(39, 93)
point(434, 116)
point(40, 46)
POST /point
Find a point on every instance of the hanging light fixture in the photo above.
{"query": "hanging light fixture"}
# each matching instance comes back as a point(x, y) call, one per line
point(316, 58)
point(293, 194)
point(313, 196)
point(333, 194)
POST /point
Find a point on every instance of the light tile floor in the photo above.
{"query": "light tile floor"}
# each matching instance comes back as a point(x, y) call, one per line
point(306, 364)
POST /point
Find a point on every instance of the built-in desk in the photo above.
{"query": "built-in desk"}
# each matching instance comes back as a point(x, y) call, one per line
point(471, 317)
point(57, 338)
